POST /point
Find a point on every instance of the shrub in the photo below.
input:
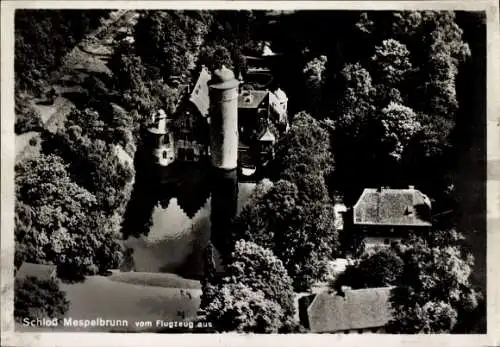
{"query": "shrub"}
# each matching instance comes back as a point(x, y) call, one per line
point(36, 299)
point(27, 118)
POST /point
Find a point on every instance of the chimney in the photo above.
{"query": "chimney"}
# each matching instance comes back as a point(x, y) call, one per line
point(411, 187)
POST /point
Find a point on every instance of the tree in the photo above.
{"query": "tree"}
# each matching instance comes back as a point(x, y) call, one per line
point(303, 236)
point(42, 40)
point(391, 62)
point(104, 175)
point(381, 268)
point(237, 308)
point(37, 299)
point(356, 105)
point(169, 40)
point(311, 187)
point(215, 57)
point(260, 269)
point(408, 58)
point(435, 291)
point(372, 116)
point(314, 73)
point(58, 221)
point(127, 67)
point(399, 126)
point(27, 117)
point(304, 149)
point(254, 273)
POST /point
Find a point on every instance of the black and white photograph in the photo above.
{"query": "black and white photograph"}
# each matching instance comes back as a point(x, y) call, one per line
point(246, 170)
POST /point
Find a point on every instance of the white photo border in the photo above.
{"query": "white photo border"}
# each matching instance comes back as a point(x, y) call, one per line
point(11, 338)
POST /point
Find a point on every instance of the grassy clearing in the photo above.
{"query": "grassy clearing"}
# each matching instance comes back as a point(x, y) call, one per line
point(164, 280)
point(82, 61)
point(100, 297)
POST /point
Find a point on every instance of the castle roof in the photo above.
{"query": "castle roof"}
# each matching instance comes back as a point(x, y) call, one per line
point(355, 309)
point(280, 95)
point(251, 98)
point(275, 104)
point(200, 97)
point(267, 51)
point(397, 207)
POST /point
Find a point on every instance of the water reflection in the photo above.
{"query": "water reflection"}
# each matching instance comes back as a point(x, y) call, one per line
point(171, 206)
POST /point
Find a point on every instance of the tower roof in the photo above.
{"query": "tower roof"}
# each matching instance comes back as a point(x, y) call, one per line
point(223, 78)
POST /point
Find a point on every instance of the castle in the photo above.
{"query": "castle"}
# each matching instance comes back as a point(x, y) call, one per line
point(222, 133)
point(242, 124)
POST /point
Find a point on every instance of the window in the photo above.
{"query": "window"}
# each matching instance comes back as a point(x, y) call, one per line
point(164, 154)
point(181, 153)
point(190, 154)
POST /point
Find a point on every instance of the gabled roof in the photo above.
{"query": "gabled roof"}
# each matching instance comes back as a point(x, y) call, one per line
point(275, 104)
point(251, 98)
point(280, 95)
point(266, 51)
point(355, 309)
point(40, 271)
point(267, 135)
point(397, 207)
point(199, 97)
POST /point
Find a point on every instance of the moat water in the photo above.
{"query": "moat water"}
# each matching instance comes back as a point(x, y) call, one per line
point(179, 211)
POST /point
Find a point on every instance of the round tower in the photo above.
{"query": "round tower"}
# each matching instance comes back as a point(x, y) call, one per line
point(162, 141)
point(223, 93)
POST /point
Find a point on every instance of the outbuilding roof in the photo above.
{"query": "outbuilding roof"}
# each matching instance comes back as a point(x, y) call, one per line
point(40, 271)
point(397, 207)
point(355, 309)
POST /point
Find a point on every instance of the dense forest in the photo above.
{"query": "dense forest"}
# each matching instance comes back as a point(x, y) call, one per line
point(376, 99)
